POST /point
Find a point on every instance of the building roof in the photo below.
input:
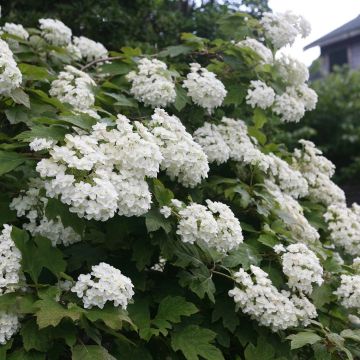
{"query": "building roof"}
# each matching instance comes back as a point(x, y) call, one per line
point(344, 32)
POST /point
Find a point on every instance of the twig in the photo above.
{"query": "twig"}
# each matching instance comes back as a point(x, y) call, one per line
point(101, 60)
point(224, 275)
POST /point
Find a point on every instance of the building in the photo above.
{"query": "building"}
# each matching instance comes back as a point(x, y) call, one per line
point(340, 47)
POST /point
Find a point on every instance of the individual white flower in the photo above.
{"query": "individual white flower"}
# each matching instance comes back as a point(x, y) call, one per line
point(74, 87)
point(211, 141)
point(160, 265)
point(204, 88)
point(183, 158)
point(279, 248)
point(260, 95)
point(9, 326)
point(165, 211)
point(38, 144)
point(152, 83)
point(16, 30)
point(302, 268)
point(264, 53)
point(292, 215)
point(10, 75)
point(258, 297)
point(32, 205)
point(308, 96)
point(90, 50)
point(349, 291)
point(283, 28)
point(354, 319)
point(104, 284)
point(344, 226)
point(55, 32)
point(10, 258)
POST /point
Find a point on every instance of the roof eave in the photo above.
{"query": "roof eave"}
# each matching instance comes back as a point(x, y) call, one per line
point(333, 40)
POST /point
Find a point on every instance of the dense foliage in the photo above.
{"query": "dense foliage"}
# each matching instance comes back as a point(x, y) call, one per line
point(334, 125)
point(142, 219)
point(146, 23)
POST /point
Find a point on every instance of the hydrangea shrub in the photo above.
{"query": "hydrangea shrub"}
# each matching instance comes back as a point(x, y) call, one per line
point(147, 212)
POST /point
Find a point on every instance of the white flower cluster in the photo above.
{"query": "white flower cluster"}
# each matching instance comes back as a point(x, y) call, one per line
point(74, 87)
point(32, 205)
point(302, 267)
point(213, 144)
point(89, 49)
point(55, 32)
point(10, 258)
point(298, 98)
point(349, 291)
point(258, 297)
point(38, 144)
point(283, 28)
point(317, 170)
point(292, 214)
point(16, 30)
point(152, 83)
point(204, 88)
point(260, 95)
point(264, 53)
point(289, 180)
point(10, 75)
point(183, 158)
point(344, 226)
point(104, 283)
point(214, 225)
point(9, 325)
point(230, 139)
point(104, 172)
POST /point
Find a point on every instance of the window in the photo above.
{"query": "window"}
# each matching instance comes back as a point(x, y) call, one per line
point(338, 57)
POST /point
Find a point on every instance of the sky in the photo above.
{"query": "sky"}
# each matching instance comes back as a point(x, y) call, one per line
point(323, 15)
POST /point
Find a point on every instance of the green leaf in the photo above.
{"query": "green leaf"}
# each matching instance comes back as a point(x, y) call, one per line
point(268, 240)
point(162, 194)
point(20, 97)
point(257, 134)
point(115, 68)
point(34, 338)
point(263, 350)
point(176, 50)
point(33, 72)
point(23, 355)
point(50, 312)
point(225, 309)
point(194, 341)
point(90, 352)
point(82, 121)
point(17, 114)
point(170, 311)
point(259, 118)
point(154, 220)
point(140, 314)
point(244, 255)
point(322, 295)
point(40, 131)
point(37, 254)
point(181, 98)
point(55, 208)
point(10, 161)
point(112, 317)
point(303, 338)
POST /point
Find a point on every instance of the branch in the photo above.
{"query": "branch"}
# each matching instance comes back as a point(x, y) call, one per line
point(101, 60)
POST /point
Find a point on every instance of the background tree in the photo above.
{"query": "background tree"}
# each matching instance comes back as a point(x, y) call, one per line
point(131, 22)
